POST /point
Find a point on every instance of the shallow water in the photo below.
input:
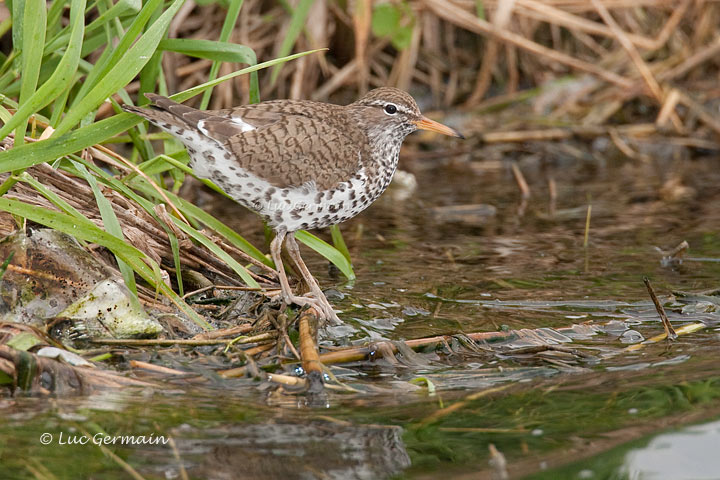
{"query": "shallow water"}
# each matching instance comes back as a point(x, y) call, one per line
point(426, 268)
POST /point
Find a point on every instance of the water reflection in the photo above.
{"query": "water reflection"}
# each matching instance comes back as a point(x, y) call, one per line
point(316, 449)
point(425, 268)
point(688, 454)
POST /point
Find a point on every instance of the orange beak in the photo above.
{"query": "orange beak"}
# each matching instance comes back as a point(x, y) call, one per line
point(426, 124)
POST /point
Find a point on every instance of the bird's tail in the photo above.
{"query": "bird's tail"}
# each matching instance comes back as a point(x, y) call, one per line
point(168, 114)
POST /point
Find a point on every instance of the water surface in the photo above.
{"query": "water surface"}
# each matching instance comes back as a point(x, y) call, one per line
point(425, 267)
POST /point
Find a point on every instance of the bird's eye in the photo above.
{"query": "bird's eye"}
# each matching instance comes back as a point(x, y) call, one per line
point(390, 109)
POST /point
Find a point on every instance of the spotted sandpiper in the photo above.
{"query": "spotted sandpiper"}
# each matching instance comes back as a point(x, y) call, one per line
point(299, 164)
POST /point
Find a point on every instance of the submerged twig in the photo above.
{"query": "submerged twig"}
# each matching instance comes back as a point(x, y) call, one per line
point(308, 349)
point(157, 368)
point(498, 463)
point(520, 179)
point(224, 332)
point(669, 330)
point(288, 381)
point(587, 226)
point(444, 412)
point(684, 330)
point(524, 189)
point(679, 250)
point(187, 342)
point(544, 348)
point(112, 455)
point(354, 354)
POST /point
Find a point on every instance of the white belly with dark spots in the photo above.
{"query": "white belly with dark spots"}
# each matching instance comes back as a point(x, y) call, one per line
point(293, 208)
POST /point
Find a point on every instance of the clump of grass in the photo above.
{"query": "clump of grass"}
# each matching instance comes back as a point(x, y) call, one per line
point(56, 79)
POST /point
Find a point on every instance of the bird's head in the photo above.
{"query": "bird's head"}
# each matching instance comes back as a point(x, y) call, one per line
point(391, 111)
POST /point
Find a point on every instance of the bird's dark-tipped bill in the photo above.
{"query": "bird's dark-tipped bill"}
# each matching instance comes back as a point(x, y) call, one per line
point(426, 124)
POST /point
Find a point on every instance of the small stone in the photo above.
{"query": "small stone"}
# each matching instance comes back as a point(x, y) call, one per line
point(631, 336)
point(110, 308)
point(414, 311)
point(334, 294)
point(475, 215)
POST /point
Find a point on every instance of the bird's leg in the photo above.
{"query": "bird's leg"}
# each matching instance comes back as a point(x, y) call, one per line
point(294, 252)
point(276, 254)
point(288, 297)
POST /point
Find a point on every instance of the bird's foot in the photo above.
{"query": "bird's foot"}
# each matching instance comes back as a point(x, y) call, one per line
point(325, 311)
point(325, 307)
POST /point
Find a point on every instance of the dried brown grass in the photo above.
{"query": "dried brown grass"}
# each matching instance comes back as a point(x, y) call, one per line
point(648, 61)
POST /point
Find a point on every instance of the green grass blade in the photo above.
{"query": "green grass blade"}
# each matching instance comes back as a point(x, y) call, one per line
point(193, 212)
point(5, 114)
point(111, 56)
point(209, 49)
point(3, 267)
point(122, 72)
point(81, 228)
point(297, 22)
point(191, 92)
point(88, 231)
point(111, 223)
point(55, 13)
point(61, 78)
point(55, 147)
point(327, 251)
point(5, 25)
point(219, 252)
point(151, 73)
point(213, 223)
point(160, 164)
point(17, 7)
point(480, 9)
point(33, 43)
point(120, 9)
point(227, 28)
point(149, 77)
point(175, 247)
point(339, 241)
point(115, 184)
point(50, 195)
point(59, 106)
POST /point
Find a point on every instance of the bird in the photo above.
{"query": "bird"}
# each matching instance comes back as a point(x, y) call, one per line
point(299, 164)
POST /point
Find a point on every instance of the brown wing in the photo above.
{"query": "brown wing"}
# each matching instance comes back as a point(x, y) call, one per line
point(297, 150)
point(289, 149)
point(288, 143)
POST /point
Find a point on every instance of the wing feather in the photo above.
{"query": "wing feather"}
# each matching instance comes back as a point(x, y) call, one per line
point(295, 150)
point(288, 143)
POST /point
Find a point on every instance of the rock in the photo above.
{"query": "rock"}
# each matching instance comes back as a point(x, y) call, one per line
point(48, 272)
point(473, 215)
point(110, 310)
point(51, 275)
